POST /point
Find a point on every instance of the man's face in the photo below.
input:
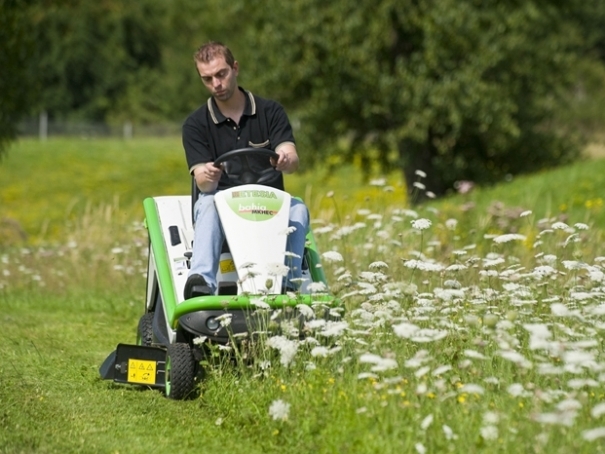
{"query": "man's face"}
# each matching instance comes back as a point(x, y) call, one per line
point(218, 77)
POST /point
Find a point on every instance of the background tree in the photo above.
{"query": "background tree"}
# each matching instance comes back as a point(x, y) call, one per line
point(101, 58)
point(460, 90)
point(470, 90)
point(17, 84)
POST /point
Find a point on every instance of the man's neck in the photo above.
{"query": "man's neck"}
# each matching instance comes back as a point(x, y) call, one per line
point(233, 107)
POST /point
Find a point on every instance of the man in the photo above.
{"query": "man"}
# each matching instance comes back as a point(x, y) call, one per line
point(233, 118)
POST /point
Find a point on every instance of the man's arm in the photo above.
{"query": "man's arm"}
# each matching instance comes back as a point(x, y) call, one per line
point(287, 161)
point(207, 176)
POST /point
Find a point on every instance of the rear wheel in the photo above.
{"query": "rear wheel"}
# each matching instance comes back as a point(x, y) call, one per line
point(145, 330)
point(180, 371)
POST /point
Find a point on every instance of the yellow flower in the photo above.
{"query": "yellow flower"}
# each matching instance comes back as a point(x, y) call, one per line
point(462, 398)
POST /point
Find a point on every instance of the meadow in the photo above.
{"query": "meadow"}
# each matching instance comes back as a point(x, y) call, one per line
point(472, 324)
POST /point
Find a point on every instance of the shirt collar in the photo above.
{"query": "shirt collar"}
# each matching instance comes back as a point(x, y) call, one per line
point(218, 117)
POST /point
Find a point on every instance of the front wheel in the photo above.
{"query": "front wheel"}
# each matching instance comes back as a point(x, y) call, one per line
point(180, 371)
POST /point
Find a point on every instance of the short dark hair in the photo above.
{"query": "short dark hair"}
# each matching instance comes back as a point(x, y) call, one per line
point(211, 50)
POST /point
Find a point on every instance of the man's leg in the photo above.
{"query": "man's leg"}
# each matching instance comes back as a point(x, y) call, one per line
point(299, 218)
point(208, 238)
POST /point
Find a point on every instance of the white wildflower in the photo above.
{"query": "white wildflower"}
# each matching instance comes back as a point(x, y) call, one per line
point(378, 182)
point(277, 269)
point(290, 229)
point(543, 271)
point(451, 224)
point(378, 264)
point(516, 358)
point(489, 432)
point(488, 263)
point(380, 364)
point(593, 434)
point(456, 267)
point(517, 390)
point(449, 433)
point(259, 303)
point(306, 311)
point(420, 449)
point(509, 237)
point(405, 330)
point(428, 335)
point(199, 340)
point(426, 422)
point(474, 354)
point(422, 372)
point(491, 418)
point(317, 287)
point(286, 347)
point(320, 351)
point(332, 256)
point(365, 375)
point(421, 224)
point(224, 319)
point(525, 213)
point(441, 370)
point(559, 226)
point(472, 388)
point(598, 410)
point(334, 329)
point(279, 410)
point(423, 266)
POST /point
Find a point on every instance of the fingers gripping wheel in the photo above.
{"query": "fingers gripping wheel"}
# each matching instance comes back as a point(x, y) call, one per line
point(249, 166)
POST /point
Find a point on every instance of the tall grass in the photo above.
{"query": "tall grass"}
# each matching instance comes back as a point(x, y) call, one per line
point(471, 326)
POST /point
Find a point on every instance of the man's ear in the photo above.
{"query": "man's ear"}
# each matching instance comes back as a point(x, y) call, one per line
point(236, 67)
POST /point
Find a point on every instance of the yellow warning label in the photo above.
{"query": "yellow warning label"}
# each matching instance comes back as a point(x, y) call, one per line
point(141, 371)
point(227, 266)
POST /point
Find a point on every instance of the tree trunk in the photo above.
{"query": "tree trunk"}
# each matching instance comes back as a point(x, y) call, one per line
point(420, 156)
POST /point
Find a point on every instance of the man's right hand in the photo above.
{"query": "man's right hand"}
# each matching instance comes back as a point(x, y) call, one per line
point(207, 176)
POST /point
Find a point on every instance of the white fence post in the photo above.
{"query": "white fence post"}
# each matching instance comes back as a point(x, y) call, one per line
point(43, 126)
point(128, 130)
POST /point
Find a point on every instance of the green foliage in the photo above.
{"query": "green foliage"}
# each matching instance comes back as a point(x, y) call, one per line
point(461, 90)
point(17, 86)
point(96, 54)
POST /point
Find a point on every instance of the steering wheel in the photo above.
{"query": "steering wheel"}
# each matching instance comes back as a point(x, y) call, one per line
point(245, 166)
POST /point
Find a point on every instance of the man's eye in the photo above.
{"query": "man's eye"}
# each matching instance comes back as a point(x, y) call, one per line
point(206, 79)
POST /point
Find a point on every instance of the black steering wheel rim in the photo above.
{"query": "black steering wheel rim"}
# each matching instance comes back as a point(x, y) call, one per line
point(249, 174)
point(245, 151)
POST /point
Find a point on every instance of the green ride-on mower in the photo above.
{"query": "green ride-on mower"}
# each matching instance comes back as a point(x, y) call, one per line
point(165, 355)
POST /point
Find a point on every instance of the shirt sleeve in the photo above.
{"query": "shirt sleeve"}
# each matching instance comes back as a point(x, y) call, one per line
point(195, 143)
point(280, 129)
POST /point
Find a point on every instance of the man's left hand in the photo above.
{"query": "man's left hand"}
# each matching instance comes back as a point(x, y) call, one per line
point(287, 160)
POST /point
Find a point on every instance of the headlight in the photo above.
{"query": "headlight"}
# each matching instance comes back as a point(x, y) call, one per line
point(212, 324)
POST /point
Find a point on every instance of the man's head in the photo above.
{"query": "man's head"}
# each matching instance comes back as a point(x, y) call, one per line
point(217, 69)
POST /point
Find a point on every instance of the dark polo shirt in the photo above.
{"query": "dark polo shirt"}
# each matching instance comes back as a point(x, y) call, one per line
point(207, 133)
